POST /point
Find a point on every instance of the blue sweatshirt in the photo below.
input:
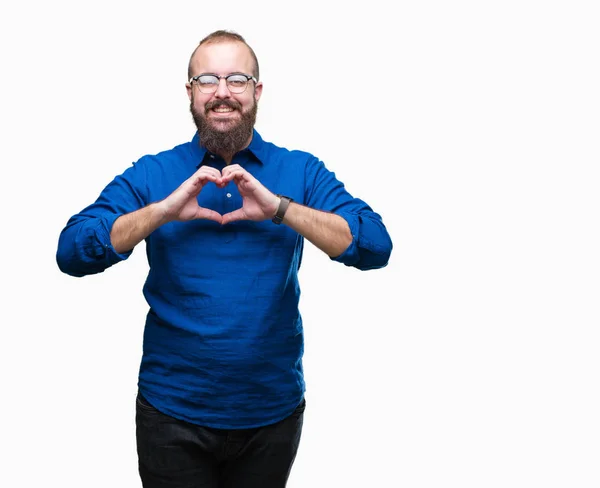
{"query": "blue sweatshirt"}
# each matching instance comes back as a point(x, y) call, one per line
point(223, 338)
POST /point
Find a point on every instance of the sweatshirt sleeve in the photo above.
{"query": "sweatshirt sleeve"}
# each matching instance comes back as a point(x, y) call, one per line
point(371, 244)
point(84, 245)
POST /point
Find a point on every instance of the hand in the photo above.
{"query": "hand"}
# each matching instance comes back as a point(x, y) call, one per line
point(182, 204)
point(258, 203)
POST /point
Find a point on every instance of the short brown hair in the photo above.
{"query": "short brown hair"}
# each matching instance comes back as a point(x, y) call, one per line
point(224, 36)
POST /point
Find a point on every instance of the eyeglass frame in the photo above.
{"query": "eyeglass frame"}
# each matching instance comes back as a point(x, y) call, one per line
point(219, 78)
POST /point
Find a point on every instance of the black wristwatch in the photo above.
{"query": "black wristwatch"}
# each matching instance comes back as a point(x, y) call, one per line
point(283, 205)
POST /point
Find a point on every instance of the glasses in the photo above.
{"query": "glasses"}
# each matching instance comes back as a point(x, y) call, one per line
point(236, 82)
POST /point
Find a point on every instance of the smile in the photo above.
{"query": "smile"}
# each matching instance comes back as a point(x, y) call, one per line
point(222, 110)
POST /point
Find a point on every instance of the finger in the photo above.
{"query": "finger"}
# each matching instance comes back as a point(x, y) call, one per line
point(234, 216)
point(201, 178)
point(209, 170)
point(232, 167)
point(205, 167)
point(237, 174)
point(197, 182)
point(221, 183)
point(245, 181)
point(209, 177)
point(191, 186)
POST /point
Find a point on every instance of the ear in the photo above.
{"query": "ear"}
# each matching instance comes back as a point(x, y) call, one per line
point(258, 91)
point(188, 88)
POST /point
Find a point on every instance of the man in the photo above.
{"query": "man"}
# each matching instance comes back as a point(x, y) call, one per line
point(224, 218)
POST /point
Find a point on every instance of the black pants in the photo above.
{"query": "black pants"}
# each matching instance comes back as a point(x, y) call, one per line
point(176, 454)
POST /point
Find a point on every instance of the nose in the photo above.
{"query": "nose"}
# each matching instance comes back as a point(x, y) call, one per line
point(222, 90)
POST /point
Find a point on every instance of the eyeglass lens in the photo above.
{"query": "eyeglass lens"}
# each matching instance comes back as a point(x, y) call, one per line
point(210, 83)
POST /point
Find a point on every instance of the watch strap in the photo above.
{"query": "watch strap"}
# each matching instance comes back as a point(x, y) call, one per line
point(284, 203)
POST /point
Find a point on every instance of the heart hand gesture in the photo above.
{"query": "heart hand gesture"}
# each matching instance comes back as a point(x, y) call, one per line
point(182, 204)
point(258, 203)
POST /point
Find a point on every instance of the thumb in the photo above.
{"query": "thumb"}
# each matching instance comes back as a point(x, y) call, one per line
point(207, 214)
point(238, 214)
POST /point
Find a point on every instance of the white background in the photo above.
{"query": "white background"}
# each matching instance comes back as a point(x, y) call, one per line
point(472, 127)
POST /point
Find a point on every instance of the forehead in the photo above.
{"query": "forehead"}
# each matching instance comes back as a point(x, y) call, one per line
point(222, 58)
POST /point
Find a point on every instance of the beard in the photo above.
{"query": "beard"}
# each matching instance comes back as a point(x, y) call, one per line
point(231, 139)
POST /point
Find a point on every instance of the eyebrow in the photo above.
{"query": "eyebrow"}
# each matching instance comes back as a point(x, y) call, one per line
point(229, 74)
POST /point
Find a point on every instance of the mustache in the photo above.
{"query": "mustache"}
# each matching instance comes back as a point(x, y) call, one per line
point(222, 103)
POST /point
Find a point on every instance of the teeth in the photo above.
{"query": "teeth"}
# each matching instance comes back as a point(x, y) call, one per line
point(223, 109)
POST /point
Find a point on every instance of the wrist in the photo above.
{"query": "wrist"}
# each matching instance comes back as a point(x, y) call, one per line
point(284, 203)
point(277, 202)
point(160, 213)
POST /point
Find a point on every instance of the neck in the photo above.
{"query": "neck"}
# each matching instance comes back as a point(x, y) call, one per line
point(227, 158)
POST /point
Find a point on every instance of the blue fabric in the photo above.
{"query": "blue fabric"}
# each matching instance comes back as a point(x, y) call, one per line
point(223, 340)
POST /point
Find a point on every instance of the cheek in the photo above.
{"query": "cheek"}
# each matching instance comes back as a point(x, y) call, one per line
point(248, 102)
point(199, 105)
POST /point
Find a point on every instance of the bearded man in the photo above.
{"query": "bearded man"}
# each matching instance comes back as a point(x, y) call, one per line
point(224, 217)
